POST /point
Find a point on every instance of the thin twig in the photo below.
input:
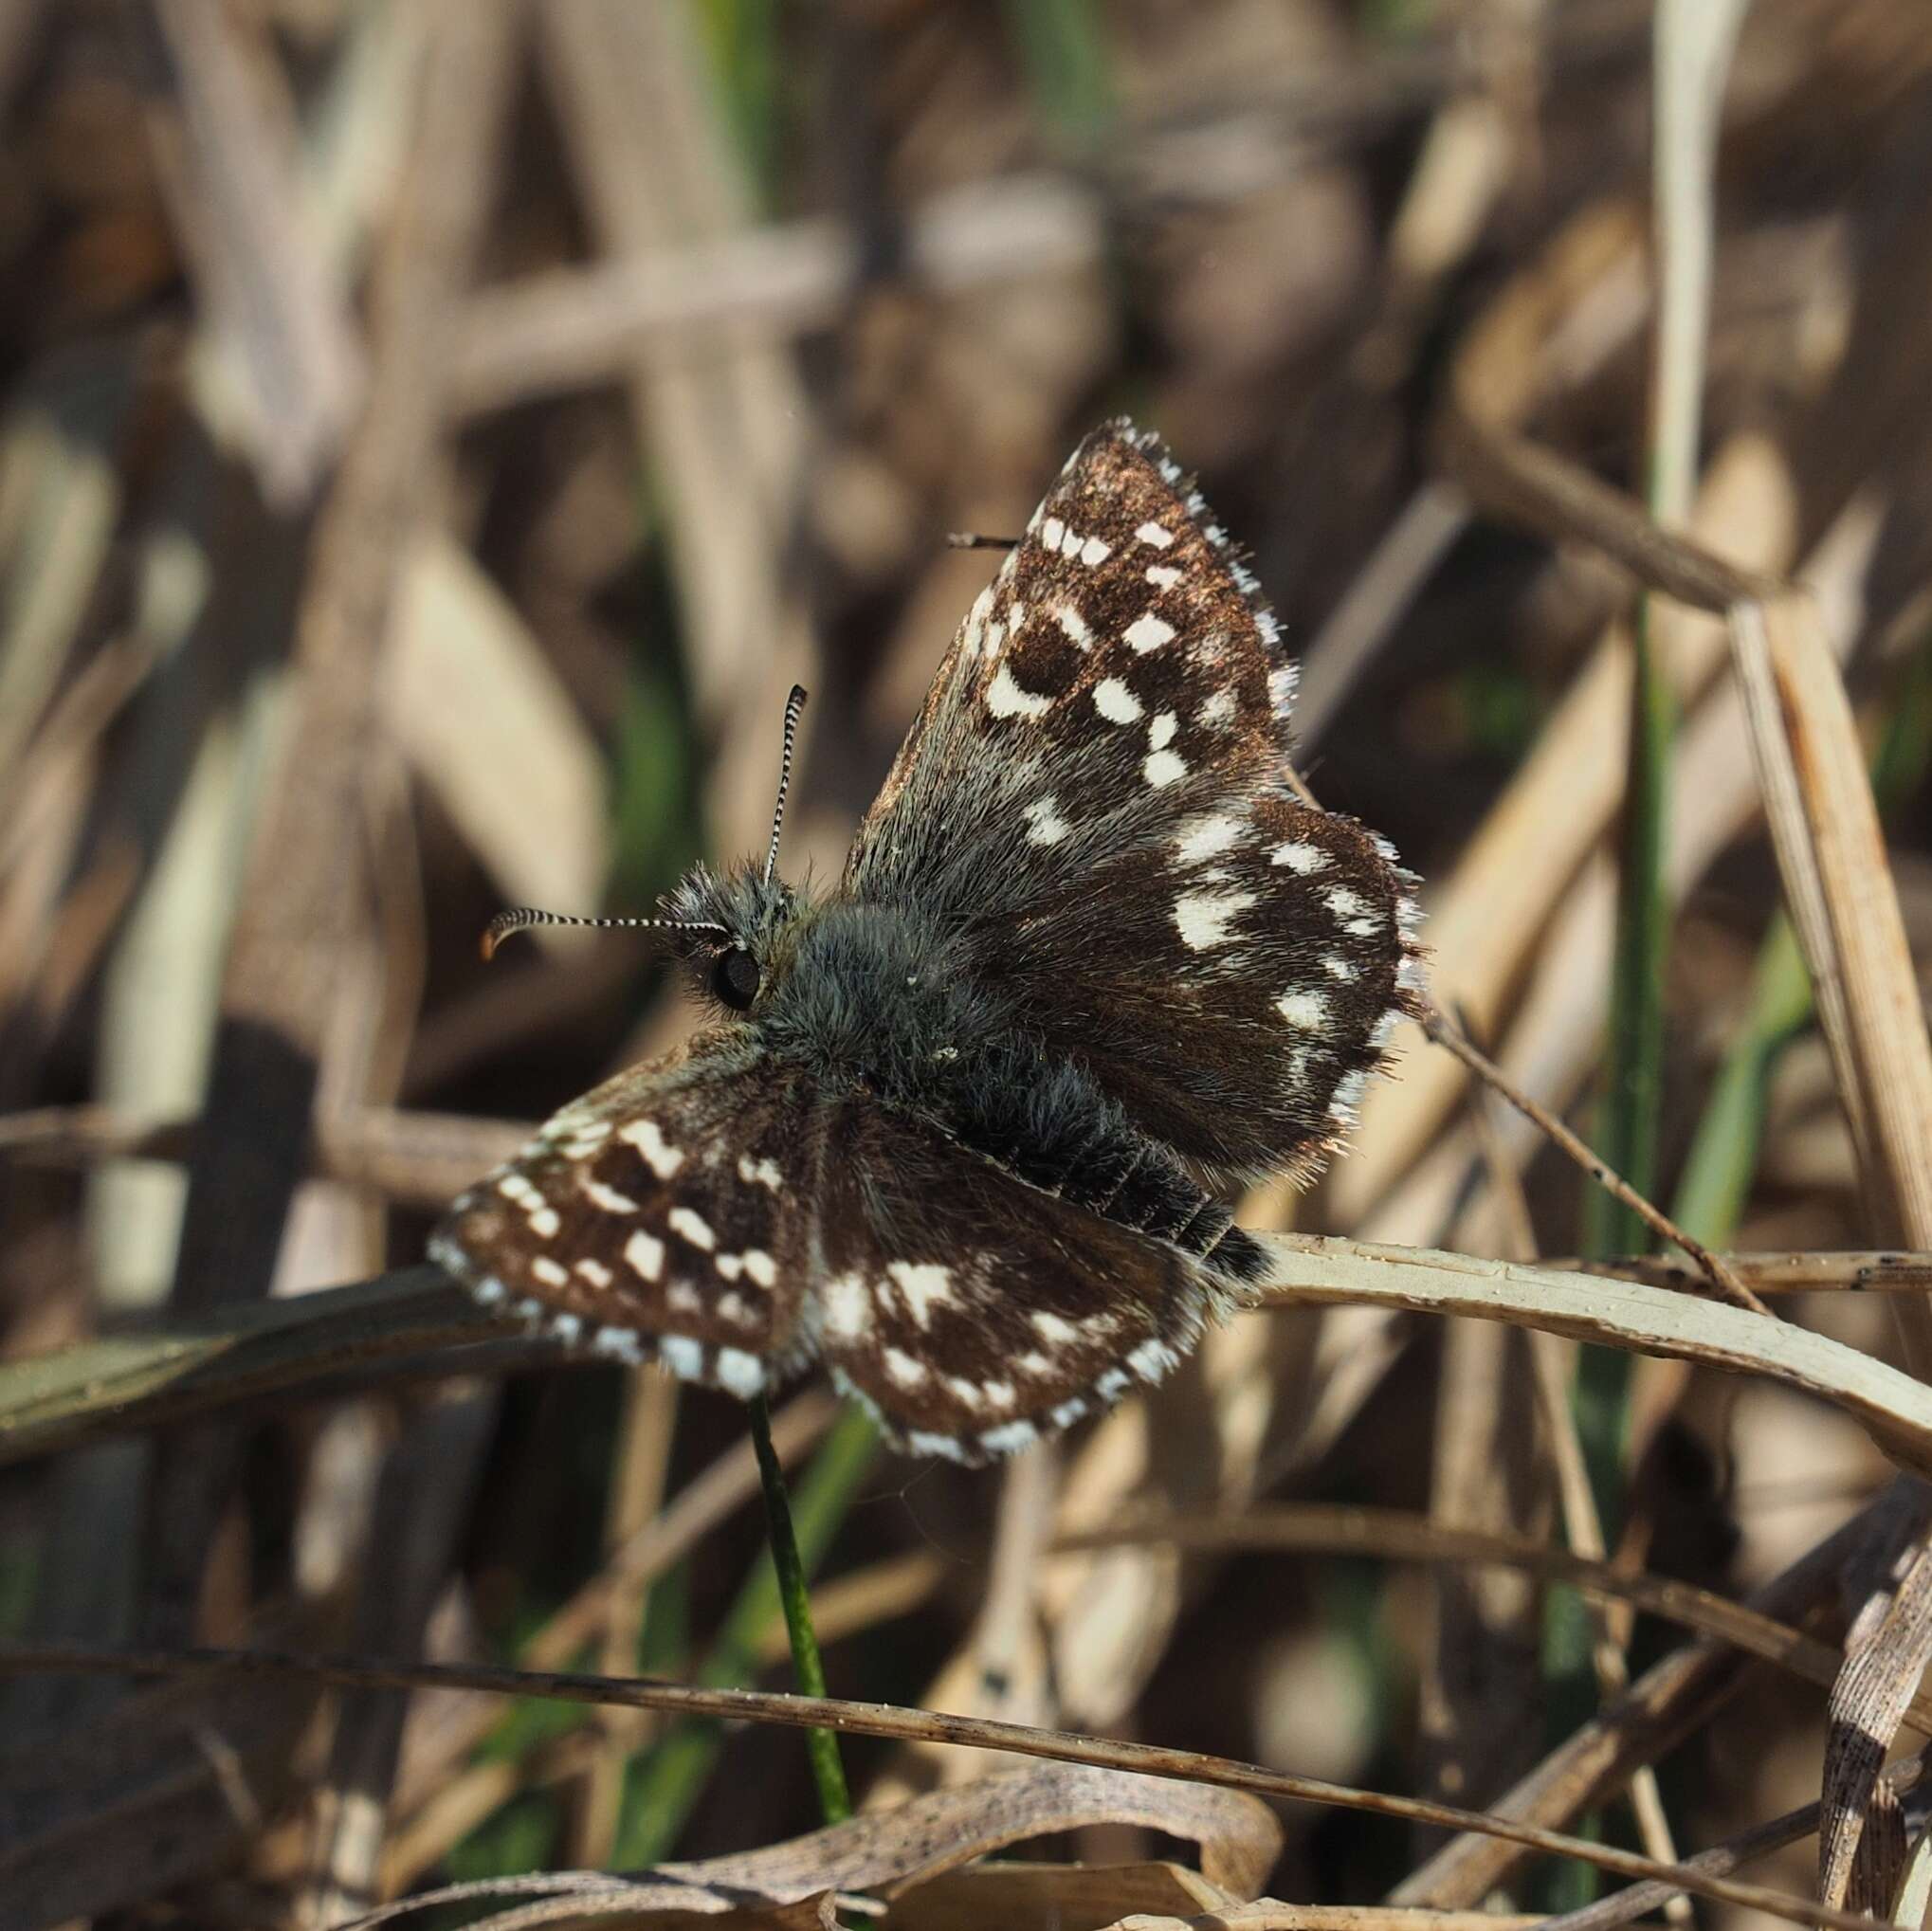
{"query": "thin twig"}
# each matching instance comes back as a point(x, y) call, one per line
point(1443, 1033)
point(891, 1722)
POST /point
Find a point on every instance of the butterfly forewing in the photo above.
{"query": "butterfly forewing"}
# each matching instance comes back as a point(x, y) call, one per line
point(1094, 794)
point(663, 1216)
point(973, 1313)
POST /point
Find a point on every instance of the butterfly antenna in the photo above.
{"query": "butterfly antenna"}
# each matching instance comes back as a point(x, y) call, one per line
point(793, 704)
point(521, 917)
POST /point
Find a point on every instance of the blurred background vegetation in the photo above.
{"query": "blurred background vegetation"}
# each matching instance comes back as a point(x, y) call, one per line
point(433, 436)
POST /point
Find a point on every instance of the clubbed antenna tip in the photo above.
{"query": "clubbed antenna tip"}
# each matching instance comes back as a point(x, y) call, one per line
point(520, 917)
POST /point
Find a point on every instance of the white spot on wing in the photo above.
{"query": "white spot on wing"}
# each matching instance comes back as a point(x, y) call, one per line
point(661, 1157)
point(1044, 826)
point(644, 1255)
point(1051, 531)
point(1300, 858)
point(1218, 708)
point(1094, 551)
point(1155, 533)
point(1008, 1438)
point(684, 1357)
point(903, 1368)
point(544, 1223)
point(1053, 1327)
point(762, 1173)
point(739, 1373)
point(694, 1228)
point(1308, 1011)
point(924, 1285)
point(1202, 917)
point(595, 1273)
point(620, 1343)
point(1151, 1360)
point(1074, 625)
point(1005, 699)
point(1208, 837)
point(608, 1198)
point(1162, 575)
point(549, 1272)
point(1163, 768)
point(1116, 702)
point(847, 1306)
point(1148, 632)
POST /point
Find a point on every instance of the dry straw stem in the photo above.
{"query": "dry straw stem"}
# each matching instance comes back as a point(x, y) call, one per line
point(887, 1720)
point(725, 435)
point(1441, 1032)
point(1832, 853)
point(1638, 1900)
point(411, 1159)
point(1487, 916)
point(1397, 1535)
point(1663, 1707)
point(1555, 1035)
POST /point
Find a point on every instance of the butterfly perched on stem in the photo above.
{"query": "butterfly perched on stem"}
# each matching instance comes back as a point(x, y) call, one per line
point(956, 1128)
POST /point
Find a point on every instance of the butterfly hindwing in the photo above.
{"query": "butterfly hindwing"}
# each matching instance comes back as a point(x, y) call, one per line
point(1094, 794)
point(663, 1216)
point(973, 1313)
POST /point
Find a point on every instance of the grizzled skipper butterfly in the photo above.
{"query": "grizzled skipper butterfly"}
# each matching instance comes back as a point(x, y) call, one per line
point(953, 1131)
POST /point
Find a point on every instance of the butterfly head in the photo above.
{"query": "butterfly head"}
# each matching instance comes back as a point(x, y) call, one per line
point(726, 929)
point(731, 929)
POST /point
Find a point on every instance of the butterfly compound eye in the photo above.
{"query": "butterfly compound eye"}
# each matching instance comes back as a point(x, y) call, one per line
point(735, 978)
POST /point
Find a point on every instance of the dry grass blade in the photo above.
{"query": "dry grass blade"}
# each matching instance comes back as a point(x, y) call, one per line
point(1834, 856)
point(896, 1850)
point(575, 328)
point(1270, 1914)
point(139, 1380)
point(227, 153)
point(884, 1719)
point(1895, 1409)
point(1882, 1671)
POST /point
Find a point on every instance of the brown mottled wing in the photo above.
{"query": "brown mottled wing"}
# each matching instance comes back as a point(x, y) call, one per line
point(664, 1216)
point(1094, 796)
point(973, 1313)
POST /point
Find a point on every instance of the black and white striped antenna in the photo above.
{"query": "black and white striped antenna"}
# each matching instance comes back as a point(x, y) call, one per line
point(793, 704)
point(521, 917)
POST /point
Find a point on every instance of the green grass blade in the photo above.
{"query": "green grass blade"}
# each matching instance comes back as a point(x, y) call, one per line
point(672, 1777)
point(1063, 47)
point(808, 1667)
